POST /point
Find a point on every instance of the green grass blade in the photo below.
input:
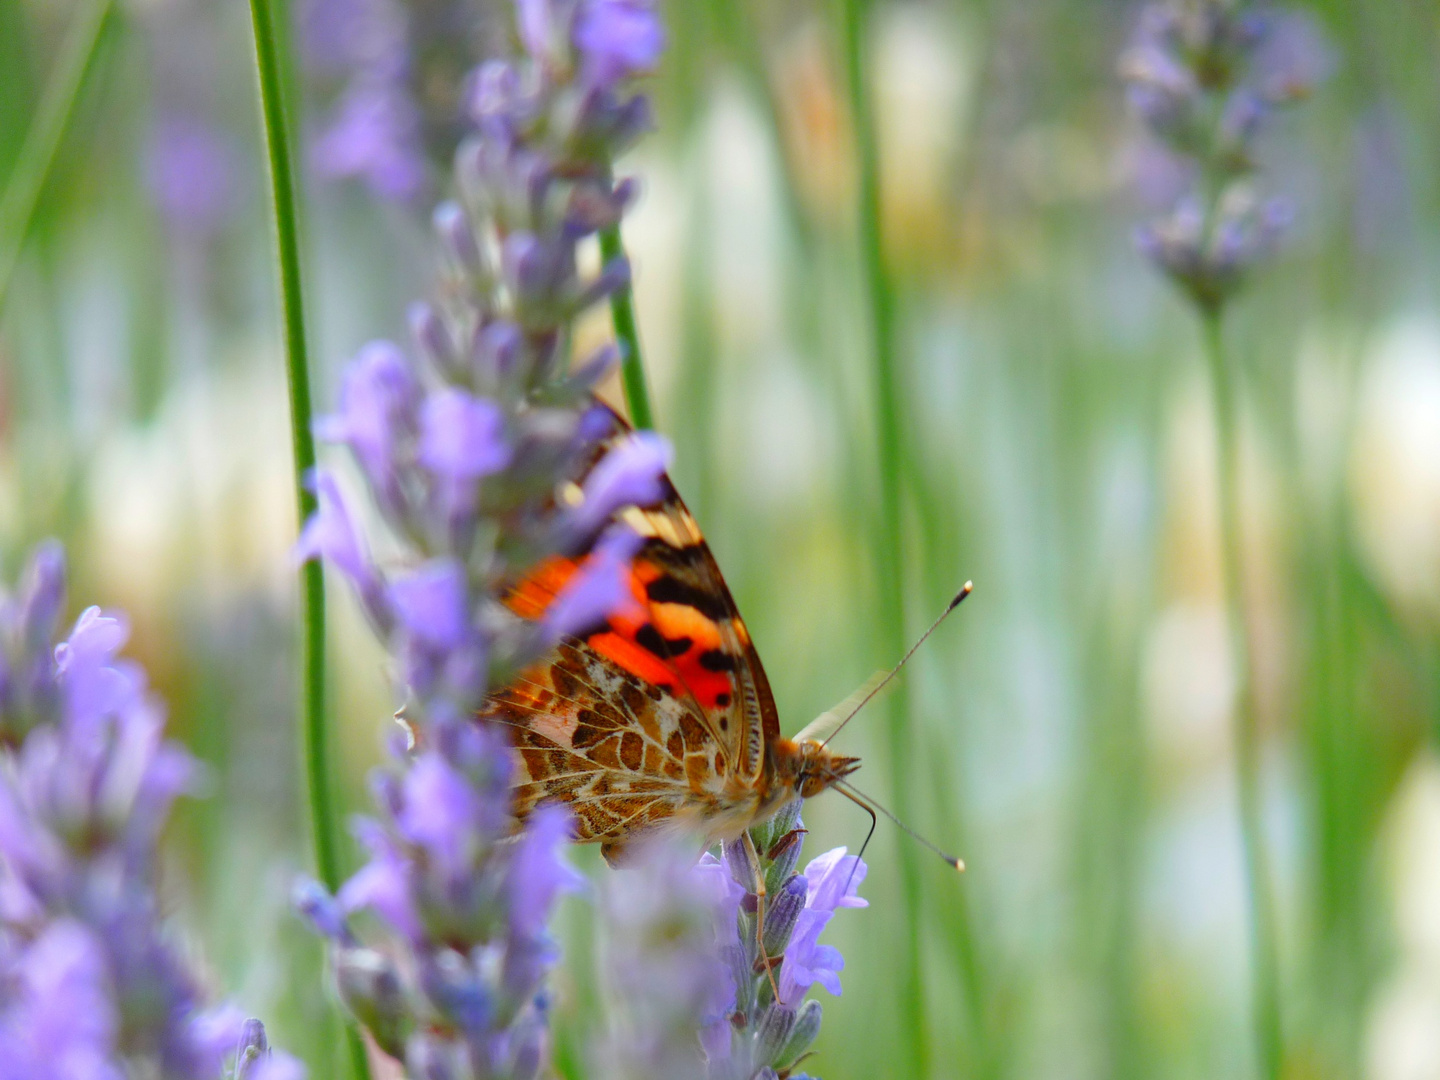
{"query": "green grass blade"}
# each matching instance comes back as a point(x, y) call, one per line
point(880, 302)
point(46, 135)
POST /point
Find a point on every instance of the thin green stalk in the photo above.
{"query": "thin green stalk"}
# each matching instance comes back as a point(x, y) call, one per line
point(880, 304)
point(627, 334)
point(46, 134)
point(1264, 958)
point(272, 67)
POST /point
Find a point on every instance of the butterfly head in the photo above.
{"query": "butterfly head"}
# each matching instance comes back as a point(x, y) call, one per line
point(814, 767)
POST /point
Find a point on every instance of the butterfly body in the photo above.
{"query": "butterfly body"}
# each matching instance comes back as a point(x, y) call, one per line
point(661, 717)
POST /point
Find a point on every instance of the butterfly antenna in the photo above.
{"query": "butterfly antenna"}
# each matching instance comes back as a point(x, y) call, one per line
point(871, 806)
point(964, 592)
point(860, 856)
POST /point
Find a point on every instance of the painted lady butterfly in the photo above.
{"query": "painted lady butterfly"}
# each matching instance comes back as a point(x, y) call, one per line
point(662, 715)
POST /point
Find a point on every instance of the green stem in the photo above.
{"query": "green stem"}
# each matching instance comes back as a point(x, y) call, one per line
point(1264, 959)
point(627, 334)
point(46, 134)
point(272, 65)
point(880, 303)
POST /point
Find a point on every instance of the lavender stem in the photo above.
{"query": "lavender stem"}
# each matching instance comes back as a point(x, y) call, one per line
point(627, 333)
point(271, 66)
point(1264, 960)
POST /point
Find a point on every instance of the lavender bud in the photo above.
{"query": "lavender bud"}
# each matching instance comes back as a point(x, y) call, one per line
point(431, 336)
point(378, 396)
point(787, 818)
point(1239, 122)
point(455, 990)
point(252, 1048)
point(1294, 58)
point(593, 207)
point(613, 277)
point(498, 347)
point(802, 1035)
point(385, 792)
point(430, 603)
point(314, 903)
point(42, 595)
point(784, 856)
point(494, 92)
point(589, 373)
point(773, 1032)
point(428, 1058)
point(537, 274)
point(744, 870)
point(600, 121)
point(457, 239)
point(742, 972)
point(370, 987)
point(781, 914)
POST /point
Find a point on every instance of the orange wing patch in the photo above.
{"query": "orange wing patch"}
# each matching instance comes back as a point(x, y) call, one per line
point(533, 596)
point(671, 645)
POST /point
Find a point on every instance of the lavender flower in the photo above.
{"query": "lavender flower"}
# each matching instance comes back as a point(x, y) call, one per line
point(769, 1034)
point(474, 456)
point(468, 906)
point(667, 924)
point(191, 166)
point(91, 985)
point(464, 450)
point(358, 54)
point(194, 167)
point(389, 81)
point(1205, 76)
point(398, 76)
point(685, 965)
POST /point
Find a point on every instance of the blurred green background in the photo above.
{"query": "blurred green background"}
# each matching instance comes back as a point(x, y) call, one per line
point(1068, 732)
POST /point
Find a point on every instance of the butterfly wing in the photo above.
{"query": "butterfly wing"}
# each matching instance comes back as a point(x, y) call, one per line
point(661, 713)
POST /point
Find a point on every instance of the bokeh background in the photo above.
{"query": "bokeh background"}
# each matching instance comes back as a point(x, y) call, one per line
point(1068, 731)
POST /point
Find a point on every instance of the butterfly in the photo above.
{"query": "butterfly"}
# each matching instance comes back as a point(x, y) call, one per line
point(662, 716)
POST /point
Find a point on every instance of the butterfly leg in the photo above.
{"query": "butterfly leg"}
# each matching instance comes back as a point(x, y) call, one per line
point(753, 857)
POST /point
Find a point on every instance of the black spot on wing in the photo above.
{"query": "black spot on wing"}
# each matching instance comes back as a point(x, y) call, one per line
point(661, 646)
point(668, 589)
point(717, 660)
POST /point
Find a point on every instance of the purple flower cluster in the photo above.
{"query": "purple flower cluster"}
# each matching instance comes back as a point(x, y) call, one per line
point(485, 457)
point(665, 923)
point(463, 995)
point(466, 451)
point(399, 77)
point(1204, 76)
point(768, 1034)
point(194, 167)
point(373, 129)
point(684, 955)
point(90, 986)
